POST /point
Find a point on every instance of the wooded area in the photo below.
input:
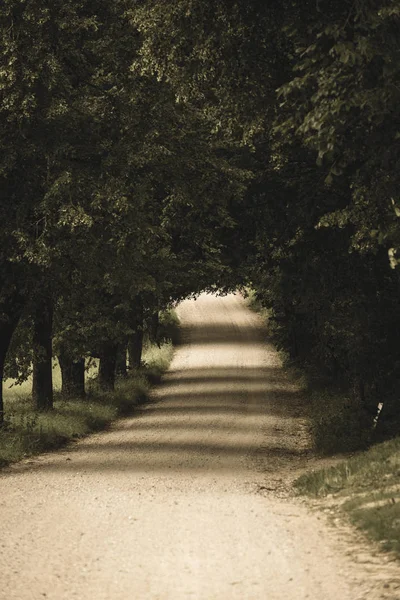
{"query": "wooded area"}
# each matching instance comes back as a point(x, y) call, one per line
point(151, 150)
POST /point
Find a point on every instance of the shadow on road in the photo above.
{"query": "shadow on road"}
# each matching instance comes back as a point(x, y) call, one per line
point(199, 419)
point(222, 333)
point(225, 402)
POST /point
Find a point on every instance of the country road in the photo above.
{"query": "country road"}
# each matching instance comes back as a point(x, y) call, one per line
point(187, 499)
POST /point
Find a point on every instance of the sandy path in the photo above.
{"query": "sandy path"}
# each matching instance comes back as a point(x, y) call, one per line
point(188, 498)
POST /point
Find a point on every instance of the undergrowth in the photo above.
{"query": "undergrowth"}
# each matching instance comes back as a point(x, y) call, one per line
point(255, 304)
point(27, 432)
point(337, 425)
point(366, 486)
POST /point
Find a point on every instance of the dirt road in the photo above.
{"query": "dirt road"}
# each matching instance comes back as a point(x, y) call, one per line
point(187, 499)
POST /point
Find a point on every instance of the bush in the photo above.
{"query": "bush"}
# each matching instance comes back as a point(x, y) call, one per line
point(337, 423)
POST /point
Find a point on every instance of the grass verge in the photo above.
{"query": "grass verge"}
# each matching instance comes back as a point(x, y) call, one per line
point(27, 433)
point(366, 487)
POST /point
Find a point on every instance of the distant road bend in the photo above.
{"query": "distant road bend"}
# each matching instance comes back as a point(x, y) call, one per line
point(188, 498)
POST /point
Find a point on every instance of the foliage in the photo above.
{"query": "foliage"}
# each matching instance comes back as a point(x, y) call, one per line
point(343, 103)
point(98, 177)
point(329, 220)
point(27, 432)
point(153, 150)
point(226, 57)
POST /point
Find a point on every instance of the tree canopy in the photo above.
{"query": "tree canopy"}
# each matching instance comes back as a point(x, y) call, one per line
point(151, 150)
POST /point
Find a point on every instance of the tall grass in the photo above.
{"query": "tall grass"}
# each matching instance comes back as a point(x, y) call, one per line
point(27, 432)
point(367, 488)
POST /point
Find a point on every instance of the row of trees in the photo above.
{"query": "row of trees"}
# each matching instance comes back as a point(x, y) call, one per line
point(313, 88)
point(114, 199)
point(335, 284)
point(152, 149)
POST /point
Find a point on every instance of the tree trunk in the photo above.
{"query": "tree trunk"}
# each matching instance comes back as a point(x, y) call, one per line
point(107, 367)
point(73, 376)
point(42, 387)
point(135, 341)
point(7, 329)
point(10, 313)
point(154, 323)
point(121, 368)
point(135, 348)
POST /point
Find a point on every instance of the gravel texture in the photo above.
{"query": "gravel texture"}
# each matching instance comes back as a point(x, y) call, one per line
point(190, 498)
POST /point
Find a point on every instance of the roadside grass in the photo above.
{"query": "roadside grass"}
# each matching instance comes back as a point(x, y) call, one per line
point(337, 425)
point(254, 303)
point(366, 487)
point(27, 432)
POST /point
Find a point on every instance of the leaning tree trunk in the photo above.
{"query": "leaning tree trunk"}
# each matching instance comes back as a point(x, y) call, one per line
point(72, 376)
point(107, 367)
point(42, 386)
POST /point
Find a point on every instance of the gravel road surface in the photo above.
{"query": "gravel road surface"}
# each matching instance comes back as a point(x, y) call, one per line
point(189, 498)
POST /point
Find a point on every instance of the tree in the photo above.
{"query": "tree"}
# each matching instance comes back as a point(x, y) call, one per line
point(342, 101)
point(108, 177)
